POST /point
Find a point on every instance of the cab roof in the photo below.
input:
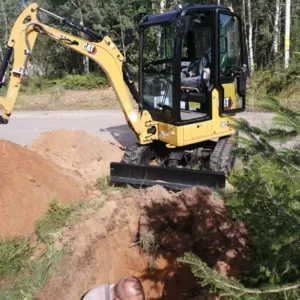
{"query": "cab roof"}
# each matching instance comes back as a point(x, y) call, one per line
point(175, 13)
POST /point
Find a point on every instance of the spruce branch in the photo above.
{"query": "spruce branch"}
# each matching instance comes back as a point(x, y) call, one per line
point(259, 144)
point(224, 285)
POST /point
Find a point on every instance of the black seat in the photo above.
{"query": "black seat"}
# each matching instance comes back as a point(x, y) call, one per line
point(195, 80)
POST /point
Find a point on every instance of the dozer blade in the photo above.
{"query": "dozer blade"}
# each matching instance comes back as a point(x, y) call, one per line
point(170, 178)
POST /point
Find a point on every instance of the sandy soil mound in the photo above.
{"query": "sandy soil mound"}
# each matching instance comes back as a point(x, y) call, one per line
point(28, 182)
point(105, 245)
point(85, 155)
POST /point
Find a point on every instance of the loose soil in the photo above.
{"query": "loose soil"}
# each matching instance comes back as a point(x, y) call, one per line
point(84, 155)
point(28, 182)
point(105, 245)
point(63, 164)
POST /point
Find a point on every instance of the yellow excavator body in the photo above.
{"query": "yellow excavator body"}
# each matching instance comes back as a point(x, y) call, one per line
point(191, 83)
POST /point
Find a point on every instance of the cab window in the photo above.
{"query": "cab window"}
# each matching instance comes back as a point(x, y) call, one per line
point(230, 44)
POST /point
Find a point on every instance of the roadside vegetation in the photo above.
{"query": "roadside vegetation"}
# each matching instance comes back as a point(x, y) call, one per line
point(88, 92)
point(276, 82)
point(35, 84)
point(266, 198)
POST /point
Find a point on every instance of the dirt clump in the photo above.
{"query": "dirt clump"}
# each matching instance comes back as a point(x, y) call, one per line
point(28, 182)
point(106, 244)
point(85, 155)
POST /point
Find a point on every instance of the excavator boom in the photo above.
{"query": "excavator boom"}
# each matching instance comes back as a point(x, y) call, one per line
point(97, 47)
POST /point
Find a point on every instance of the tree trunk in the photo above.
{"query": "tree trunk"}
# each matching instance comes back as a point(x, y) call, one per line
point(287, 33)
point(255, 36)
point(162, 6)
point(245, 25)
point(5, 23)
point(85, 59)
point(123, 44)
point(251, 58)
point(276, 30)
point(86, 65)
point(228, 3)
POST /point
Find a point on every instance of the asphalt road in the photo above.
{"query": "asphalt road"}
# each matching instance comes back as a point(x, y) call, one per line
point(24, 127)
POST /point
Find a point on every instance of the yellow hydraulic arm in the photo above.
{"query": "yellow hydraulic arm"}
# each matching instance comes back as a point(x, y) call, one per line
point(103, 51)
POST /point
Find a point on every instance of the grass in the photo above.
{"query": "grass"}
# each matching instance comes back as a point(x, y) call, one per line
point(14, 253)
point(38, 272)
point(31, 271)
point(105, 186)
point(260, 83)
point(55, 218)
point(73, 92)
point(18, 259)
point(148, 242)
point(67, 100)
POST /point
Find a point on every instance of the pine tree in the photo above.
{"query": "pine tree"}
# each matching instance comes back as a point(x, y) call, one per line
point(266, 197)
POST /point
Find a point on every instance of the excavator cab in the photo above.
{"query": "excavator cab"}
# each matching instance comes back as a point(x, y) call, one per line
point(185, 55)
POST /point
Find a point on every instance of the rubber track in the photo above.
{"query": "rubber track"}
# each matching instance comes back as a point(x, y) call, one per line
point(133, 154)
point(222, 156)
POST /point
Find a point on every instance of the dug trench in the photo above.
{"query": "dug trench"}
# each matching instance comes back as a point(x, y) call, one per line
point(139, 232)
point(142, 233)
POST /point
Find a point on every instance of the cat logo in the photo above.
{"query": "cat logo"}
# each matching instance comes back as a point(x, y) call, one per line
point(89, 48)
point(228, 103)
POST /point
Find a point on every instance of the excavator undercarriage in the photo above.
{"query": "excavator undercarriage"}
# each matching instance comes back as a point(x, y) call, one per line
point(204, 164)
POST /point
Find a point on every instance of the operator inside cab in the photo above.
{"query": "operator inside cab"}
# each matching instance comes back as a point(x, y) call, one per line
point(196, 76)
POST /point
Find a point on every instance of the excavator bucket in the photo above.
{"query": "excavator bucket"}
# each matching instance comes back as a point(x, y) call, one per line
point(170, 178)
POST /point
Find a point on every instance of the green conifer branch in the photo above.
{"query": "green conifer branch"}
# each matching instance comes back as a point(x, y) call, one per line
point(223, 285)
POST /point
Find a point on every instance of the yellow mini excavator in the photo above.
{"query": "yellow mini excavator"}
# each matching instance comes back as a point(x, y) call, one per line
point(192, 77)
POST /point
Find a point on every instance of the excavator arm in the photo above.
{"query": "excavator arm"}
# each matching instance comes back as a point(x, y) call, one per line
point(99, 48)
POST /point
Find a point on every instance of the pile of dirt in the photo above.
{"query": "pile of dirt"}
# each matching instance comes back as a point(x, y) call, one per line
point(85, 155)
point(28, 182)
point(106, 245)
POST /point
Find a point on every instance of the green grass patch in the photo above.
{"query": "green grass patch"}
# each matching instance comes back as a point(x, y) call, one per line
point(105, 186)
point(14, 253)
point(38, 272)
point(35, 84)
point(56, 217)
point(277, 82)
